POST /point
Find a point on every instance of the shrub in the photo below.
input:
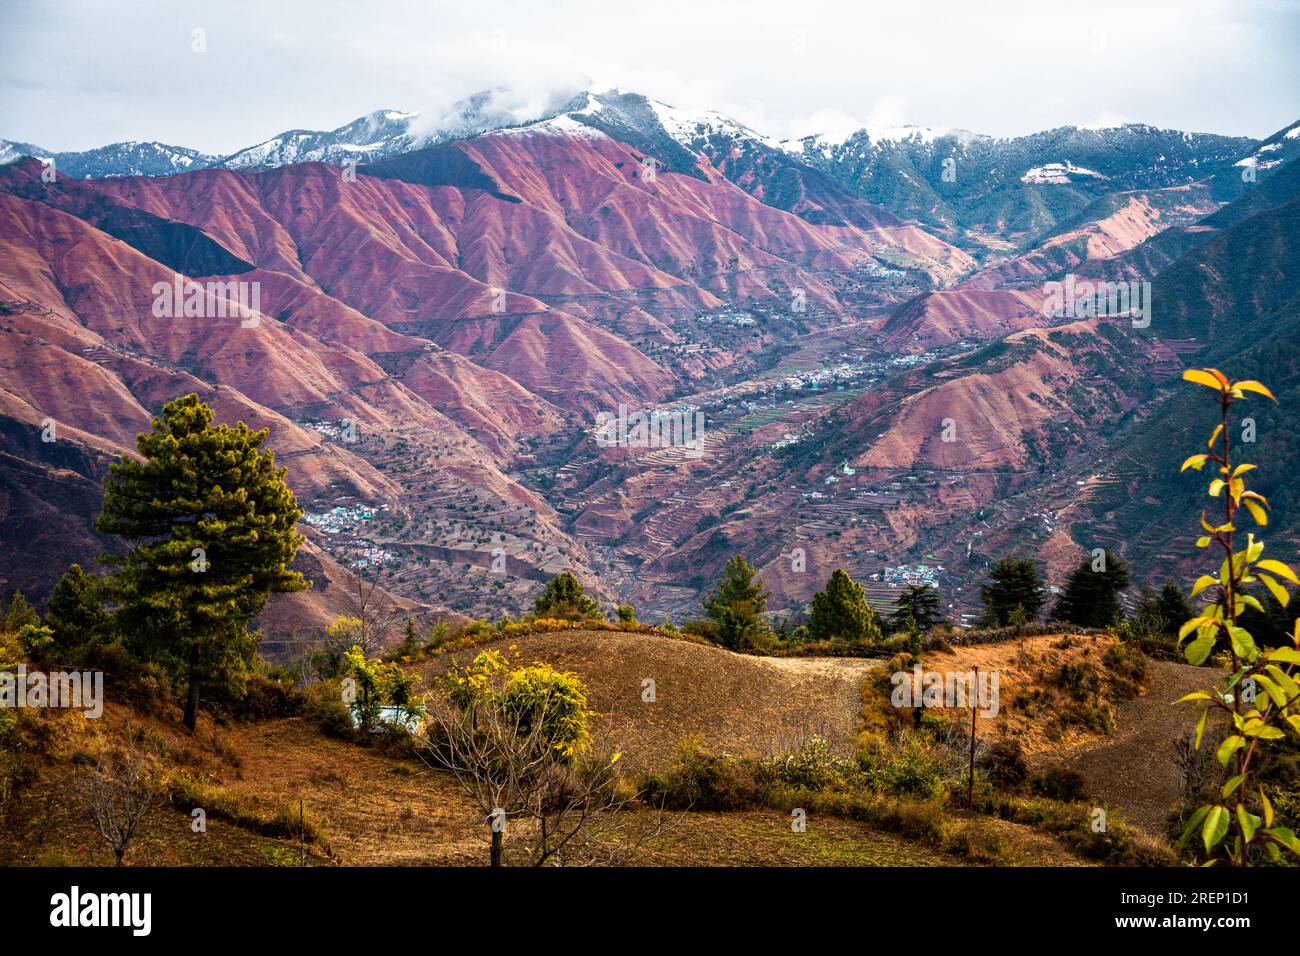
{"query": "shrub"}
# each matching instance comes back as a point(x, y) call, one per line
point(1117, 845)
point(324, 704)
point(919, 819)
point(266, 699)
point(147, 686)
point(1128, 666)
point(1059, 783)
point(24, 745)
point(699, 780)
point(187, 791)
point(912, 771)
point(976, 841)
point(816, 768)
point(1003, 763)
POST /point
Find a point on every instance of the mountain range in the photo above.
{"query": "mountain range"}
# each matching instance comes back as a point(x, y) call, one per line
point(446, 303)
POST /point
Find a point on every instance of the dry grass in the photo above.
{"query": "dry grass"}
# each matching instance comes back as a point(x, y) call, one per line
point(1020, 667)
point(383, 807)
point(736, 703)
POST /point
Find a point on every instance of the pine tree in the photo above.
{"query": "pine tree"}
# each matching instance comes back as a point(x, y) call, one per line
point(1166, 609)
point(1091, 595)
point(841, 612)
point(738, 604)
point(564, 597)
point(20, 614)
point(917, 606)
point(1175, 609)
point(211, 523)
point(75, 611)
point(1012, 582)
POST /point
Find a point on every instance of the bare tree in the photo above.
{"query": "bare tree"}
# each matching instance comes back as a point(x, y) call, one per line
point(374, 611)
point(117, 793)
point(571, 809)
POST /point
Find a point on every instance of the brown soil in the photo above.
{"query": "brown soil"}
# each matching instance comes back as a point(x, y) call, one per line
point(736, 703)
point(1134, 767)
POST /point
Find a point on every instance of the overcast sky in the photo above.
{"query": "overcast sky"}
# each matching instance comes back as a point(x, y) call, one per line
point(79, 74)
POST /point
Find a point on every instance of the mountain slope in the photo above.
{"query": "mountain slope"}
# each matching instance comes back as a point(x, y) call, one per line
point(1017, 188)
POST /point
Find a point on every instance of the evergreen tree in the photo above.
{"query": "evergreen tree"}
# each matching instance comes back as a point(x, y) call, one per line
point(211, 523)
point(20, 614)
point(76, 612)
point(564, 597)
point(1174, 608)
point(1165, 610)
point(1013, 582)
point(737, 604)
point(841, 612)
point(1091, 595)
point(917, 606)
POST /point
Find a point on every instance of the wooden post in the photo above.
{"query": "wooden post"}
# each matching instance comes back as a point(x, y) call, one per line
point(970, 785)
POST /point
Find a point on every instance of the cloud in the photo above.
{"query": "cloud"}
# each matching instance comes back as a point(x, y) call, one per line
point(82, 73)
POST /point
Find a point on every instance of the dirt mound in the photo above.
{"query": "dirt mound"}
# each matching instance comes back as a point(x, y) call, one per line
point(735, 702)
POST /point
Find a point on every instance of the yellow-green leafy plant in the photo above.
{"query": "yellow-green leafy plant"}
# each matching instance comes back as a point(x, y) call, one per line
point(378, 682)
point(1259, 696)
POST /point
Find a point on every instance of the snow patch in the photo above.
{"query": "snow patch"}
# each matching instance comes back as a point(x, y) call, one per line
point(1057, 174)
point(556, 126)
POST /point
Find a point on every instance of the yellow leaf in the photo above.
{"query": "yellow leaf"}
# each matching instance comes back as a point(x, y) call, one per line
point(1196, 461)
point(1240, 469)
point(1278, 568)
point(1203, 582)
point(1258, 513)
point(1218, 430)
point(1203, 377)
point(1252, 386)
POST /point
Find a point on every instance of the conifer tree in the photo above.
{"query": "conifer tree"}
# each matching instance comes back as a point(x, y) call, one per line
point(917, 606)
point(1013, 582)
point(20, 614)
point(565, 597)
point(1091, 594)
point(738, 604)
point(75, 611)
point(211, 527)
point(841, 612)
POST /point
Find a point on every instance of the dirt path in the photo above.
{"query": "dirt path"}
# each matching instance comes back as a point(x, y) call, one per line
point(1134, 768)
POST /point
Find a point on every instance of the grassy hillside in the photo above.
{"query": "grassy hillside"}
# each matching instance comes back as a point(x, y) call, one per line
point(749, 723)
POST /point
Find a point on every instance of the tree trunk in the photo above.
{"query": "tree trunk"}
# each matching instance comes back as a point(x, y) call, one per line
point(117, 855)
point(192, 700)
point(496, 847)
